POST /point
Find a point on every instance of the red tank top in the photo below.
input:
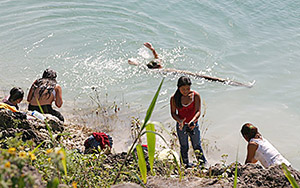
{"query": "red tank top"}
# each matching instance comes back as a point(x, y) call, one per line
point(188, 111)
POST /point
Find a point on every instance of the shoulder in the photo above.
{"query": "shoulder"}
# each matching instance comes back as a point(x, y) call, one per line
point(172, 98)
point(196, 94)
point(252, 145)
point(57, 87)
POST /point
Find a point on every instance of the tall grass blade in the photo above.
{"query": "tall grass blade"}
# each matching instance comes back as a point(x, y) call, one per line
point(64, 161)
point(288, 175)
point(139, 179)
point(36, 148)
point(156, 134)
point(178, 166)
point(235, 175)
point(148, 115)
point(151, 144)
point(142, 162)
point(236, 164)
point(152, 105)
point(47, 126)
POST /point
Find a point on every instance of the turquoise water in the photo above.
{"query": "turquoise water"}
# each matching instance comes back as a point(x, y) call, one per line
point(89, 42)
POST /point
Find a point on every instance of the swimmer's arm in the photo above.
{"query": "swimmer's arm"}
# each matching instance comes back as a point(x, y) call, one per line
point(58, 99)
point(251, 149)
point(149, 45)
point(130, 62)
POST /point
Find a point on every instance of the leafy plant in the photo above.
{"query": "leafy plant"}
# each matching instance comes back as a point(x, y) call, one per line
point(140, 133)
point(289, 176)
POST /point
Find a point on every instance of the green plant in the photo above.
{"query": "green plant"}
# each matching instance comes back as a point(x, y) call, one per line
point(289, 176)
point(139, 134)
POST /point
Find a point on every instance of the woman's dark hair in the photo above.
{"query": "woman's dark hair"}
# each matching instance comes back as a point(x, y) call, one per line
point(249, 130)
point(47, 82)
point(182, 81)
point(15, 94)
point(49, 73)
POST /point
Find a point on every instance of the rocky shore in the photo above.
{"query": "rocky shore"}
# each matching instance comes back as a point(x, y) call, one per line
point(218, 175)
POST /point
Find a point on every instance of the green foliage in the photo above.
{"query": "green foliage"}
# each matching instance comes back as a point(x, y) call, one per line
point(235, 175)
point(141, 131)
point(289, 176)
point(151, 144)
point(53, 183)
point(142, 162)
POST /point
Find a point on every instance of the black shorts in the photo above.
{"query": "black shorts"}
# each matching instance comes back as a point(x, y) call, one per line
point(47, 110)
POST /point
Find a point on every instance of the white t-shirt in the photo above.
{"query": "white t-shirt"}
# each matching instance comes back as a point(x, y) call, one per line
point(267, 154)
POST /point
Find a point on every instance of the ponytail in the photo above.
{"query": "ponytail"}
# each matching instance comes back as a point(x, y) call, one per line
point(177, 98)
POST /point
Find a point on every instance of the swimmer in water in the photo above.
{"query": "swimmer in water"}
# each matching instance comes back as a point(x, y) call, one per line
point(155, 64)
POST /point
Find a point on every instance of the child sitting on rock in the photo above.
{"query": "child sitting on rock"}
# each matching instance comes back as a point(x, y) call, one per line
point(98, 139)
point(15, 97)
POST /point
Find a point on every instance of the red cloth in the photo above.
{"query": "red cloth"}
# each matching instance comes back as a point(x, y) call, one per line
point(102, 138)
point(187, 112)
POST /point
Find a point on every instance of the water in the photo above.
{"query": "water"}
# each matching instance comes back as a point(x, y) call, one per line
point(88, 44)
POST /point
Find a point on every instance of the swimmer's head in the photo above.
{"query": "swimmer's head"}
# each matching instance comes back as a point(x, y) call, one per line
point(154, 64)
point(49, 73)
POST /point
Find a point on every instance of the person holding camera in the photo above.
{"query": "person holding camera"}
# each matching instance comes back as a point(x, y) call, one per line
point(186, 110)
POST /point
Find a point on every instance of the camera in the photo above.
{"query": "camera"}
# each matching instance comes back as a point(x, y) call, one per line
point(187, 130)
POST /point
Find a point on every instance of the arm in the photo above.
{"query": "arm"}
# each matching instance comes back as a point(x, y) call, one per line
point(251, 149)
point(174, 114)
point(149, 45)
point(58, 99)
point(131, 62)
point(197, 110)
point(30, 94)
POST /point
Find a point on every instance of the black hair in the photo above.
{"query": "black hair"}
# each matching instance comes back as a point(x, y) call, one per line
point(249, 130)
point(47, 82)
point(182, 81)
point(15, 94)
point(154, 64)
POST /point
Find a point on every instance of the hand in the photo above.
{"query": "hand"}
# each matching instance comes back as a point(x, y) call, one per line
point(148, 45)
point(192, 125)
point(181, 123)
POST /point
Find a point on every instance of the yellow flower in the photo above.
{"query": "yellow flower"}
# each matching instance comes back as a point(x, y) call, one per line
point(12, 151)
point(60, 152)
point(74, 184)
point(48, 151)
point(7, 165)
point(32, 156)
point(22, 154)
point(49, 159)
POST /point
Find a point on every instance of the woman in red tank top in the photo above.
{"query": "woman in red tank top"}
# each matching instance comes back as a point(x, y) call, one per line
point(186, 110)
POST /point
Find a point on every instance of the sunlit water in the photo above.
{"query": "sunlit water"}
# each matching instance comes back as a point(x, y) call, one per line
point(89, 42)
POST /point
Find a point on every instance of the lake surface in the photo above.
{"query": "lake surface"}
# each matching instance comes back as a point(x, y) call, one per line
point(89, 42)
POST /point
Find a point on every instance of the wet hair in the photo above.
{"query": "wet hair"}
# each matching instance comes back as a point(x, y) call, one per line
point(49, 73)
point(15, 94)
point(182, 81)
point(47, 82)
point(249, 130)
point(154, 64)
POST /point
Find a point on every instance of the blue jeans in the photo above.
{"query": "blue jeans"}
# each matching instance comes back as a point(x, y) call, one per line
point(184, 144)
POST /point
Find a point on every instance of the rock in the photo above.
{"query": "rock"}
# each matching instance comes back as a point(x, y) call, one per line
point(126, 185)
point(12, 123)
